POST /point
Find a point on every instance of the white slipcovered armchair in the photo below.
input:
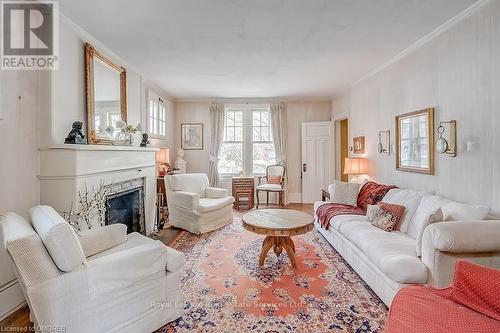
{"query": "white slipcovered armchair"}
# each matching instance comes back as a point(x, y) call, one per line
point(129, 283)
point(195, 206)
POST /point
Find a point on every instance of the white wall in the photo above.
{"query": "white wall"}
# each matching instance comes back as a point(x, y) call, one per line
point(38, 109)
point(458, 73)
point(67, 87)
point(19, 165)
point(298, 112)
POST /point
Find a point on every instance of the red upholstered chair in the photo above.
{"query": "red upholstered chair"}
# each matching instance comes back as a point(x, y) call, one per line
point(470, 304)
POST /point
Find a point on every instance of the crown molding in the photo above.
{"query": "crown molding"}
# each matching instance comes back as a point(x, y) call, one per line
point(474, 8)
point(252, 99)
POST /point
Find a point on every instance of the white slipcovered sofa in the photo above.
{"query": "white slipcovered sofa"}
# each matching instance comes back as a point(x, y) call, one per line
point(101, 281)
point(418, 253)
point(195, 206)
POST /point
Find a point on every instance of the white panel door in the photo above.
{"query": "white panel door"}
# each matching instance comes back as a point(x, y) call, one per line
point(317, 159)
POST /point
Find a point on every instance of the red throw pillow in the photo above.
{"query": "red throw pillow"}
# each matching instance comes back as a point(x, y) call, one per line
point(388, 216)
point(274, 180)
point(477, 287)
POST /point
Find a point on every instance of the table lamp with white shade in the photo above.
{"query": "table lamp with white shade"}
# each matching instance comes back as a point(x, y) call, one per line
point(163, 161)
point(356, 167)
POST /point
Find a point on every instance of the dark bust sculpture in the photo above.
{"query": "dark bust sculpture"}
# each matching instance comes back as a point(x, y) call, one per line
point(76, 136)
point(145, 140)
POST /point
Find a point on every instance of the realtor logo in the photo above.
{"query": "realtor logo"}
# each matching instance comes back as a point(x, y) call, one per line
point(29, 35)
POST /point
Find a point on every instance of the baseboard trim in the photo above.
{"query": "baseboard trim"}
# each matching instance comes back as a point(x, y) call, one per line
point(295, 197)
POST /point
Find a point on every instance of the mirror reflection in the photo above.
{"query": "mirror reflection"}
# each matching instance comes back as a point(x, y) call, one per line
point(415, 133)
point(106, 100)
point(106, 97)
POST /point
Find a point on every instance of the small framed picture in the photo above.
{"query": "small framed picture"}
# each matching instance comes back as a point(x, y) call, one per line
point(192, 136)
point(358, 144)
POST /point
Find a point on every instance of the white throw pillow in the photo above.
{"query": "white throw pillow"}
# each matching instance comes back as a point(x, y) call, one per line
point(434, 217)
point(456, 211)
point(100, 239)
point(371, 212)
point(58, 237)
point(344, 193)
point(428, 205)
point(410, 199)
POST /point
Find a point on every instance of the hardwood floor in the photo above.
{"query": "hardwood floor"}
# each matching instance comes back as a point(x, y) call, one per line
point(19, 320)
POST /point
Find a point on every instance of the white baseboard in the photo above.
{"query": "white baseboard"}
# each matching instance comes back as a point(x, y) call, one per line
point(295, 197)
point(11, 299)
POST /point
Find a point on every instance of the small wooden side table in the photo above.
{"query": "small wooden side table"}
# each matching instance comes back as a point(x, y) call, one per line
point(243, 187)
point(325, 195)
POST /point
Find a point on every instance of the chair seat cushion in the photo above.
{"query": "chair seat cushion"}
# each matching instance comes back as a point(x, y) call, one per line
point(270, 187)
point(392, 252)
point(208, 204)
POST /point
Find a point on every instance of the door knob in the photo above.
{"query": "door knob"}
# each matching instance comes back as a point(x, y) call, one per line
point(304, 167)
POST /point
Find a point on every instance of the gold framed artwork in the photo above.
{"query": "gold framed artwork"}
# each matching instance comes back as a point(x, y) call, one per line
point(192, 136)
point(106, 93)
point(415, 141)
point(358, 145)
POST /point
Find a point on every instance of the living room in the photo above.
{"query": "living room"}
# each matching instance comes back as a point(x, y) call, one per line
point(253, 166)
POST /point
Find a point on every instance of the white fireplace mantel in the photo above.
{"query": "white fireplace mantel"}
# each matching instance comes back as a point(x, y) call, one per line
point(67, 169)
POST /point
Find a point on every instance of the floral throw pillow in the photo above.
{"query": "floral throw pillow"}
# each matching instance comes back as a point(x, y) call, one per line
point(387, 217)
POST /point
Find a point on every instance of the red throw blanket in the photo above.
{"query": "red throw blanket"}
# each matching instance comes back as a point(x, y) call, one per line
point(370, 194)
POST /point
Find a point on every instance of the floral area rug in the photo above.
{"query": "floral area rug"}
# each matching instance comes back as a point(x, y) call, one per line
point(226, 290)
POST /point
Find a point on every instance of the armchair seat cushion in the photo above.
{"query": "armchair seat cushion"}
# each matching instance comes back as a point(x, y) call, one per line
point(270, 187)
point(392, 252)
point(208, 204)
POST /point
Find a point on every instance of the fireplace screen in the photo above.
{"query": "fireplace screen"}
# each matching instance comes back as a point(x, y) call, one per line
point(127, 207)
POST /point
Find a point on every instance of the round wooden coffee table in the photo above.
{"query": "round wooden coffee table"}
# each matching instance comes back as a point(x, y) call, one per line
point(278, 225)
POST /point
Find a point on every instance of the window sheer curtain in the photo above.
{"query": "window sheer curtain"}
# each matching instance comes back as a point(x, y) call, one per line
point(216, 137)
point(277, 112)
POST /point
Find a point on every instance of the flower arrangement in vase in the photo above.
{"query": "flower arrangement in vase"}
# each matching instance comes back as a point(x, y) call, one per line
point(126, 135)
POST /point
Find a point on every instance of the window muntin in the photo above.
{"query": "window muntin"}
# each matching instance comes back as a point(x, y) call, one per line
point(247, 143)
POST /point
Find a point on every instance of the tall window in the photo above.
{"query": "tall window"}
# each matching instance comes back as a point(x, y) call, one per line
point(157, 116)
point(247, 143)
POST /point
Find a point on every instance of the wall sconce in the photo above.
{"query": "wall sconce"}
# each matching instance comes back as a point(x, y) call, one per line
point(384, 142)
point(444, 146)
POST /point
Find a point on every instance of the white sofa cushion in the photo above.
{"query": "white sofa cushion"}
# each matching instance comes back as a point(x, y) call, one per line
point(410, 199)
point(338, 221)
point(435, 217)
point(100, 239)
point(58, 237)
point(189, 182)
point(208, 204)
point(392, 252)
point(344, 193)
point(456, 211)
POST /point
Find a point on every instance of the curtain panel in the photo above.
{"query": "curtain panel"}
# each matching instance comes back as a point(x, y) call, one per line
point(278, 124)
point(216, 137)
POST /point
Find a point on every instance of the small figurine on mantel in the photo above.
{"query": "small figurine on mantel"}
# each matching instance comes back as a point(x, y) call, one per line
point(145, 140)
point(76, 136)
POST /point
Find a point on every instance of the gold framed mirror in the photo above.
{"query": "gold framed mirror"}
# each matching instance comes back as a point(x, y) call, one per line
point(106, 86)
point(415, 141)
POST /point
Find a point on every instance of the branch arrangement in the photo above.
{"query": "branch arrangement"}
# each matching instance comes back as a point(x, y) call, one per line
point(91, 204)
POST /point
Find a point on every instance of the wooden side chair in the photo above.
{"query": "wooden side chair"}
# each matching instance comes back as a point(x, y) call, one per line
point(274, 182)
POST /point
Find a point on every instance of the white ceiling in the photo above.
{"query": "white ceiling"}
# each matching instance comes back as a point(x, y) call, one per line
point(259, 48)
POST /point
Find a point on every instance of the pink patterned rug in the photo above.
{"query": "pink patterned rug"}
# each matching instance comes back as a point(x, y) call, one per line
point(226, 291)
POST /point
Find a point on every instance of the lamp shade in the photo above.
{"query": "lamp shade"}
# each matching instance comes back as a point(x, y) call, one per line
point(163, 156)
point(356, 166)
